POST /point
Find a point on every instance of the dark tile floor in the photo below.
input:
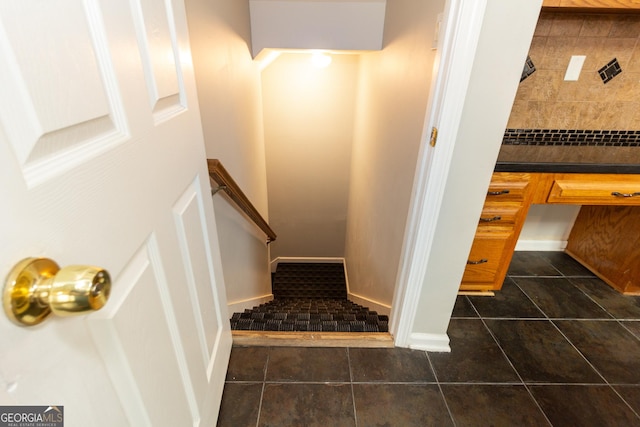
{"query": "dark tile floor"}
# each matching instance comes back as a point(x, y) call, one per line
point(555, 347)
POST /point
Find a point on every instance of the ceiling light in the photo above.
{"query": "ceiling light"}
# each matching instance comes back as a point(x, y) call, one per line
point(321, 60)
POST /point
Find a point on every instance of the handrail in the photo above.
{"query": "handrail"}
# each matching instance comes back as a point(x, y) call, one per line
point(220, 175)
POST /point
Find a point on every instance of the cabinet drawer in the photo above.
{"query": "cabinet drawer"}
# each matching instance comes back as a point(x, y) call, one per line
point(619, 191)
point(485, 256)
point(499, 214)
point(508, 187)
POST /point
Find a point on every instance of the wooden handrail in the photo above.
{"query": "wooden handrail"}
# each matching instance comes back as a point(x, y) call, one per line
point(220, 175)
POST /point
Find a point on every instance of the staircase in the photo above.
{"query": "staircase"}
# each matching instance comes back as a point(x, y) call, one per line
point(310, 297)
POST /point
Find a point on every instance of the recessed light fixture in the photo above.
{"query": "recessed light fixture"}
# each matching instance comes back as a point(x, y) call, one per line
point(321, 59)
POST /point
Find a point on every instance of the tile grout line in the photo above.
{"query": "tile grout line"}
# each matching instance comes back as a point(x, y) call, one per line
point(606, 382)
point(552, 321)
point(264, 385)
point(353, 396)
point(444, 398)
point(504, 354)
point(570, 279)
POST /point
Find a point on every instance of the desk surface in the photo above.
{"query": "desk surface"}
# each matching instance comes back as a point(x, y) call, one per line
point(567, 168)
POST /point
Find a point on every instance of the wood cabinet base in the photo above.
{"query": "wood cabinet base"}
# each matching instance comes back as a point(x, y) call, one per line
point(606, 240)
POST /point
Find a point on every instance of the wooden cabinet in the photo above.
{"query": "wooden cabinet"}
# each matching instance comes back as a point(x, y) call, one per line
point(499, 225)
point(593, 4)
point(587, 189)
point(605, 237)
point(606, 240)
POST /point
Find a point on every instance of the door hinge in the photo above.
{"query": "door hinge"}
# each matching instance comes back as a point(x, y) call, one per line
point(434, 136)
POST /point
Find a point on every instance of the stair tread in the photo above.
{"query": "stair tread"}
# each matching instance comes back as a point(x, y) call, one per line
point(310, 297)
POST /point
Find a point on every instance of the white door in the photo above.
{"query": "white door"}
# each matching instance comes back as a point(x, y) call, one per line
point(102, 162)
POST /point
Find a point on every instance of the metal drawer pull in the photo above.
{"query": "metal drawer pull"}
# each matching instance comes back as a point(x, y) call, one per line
point(495, 218)
point(618, 194)
point(480, 261)
point(497, 193)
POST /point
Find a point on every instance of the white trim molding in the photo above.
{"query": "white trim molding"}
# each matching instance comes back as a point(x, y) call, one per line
point(457, 46)
point(275, 262)
point(239, 306)
point(369, 303)
point(429, 342)
point(541, 245)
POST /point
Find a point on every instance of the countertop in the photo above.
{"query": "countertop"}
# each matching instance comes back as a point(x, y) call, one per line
point(567, 167)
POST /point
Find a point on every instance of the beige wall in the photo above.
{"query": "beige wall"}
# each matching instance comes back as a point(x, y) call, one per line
point(392, 100)
point(308, 116)
point(546, 101)
point(230, 105)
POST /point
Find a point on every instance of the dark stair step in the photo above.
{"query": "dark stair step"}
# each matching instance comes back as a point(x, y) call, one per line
point(309, 280)
point(287, 315)
point(310, 297)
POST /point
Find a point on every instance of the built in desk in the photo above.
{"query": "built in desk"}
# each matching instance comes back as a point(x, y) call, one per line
point(605, 237)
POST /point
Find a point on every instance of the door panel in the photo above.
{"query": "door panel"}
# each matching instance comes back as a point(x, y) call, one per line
point(134, 350)
point(46, 138)
point(158, 49)
point(102, 162)
point(191, 228)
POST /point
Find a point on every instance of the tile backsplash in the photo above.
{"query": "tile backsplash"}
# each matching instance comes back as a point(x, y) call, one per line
point(546, 101)
point(572, 137)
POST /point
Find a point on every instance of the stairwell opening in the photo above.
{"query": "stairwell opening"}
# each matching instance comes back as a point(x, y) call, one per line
point(310, 297)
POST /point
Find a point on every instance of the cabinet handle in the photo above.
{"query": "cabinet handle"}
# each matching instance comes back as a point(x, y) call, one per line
point(495, 218)
point(497, 193)
point(480, 261)
point(618, 194)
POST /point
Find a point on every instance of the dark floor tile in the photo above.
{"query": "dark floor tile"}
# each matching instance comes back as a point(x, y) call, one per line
point(559, 298)
point(618, 305)
point(565, 264)
point(584, 406)
point(247, 363)
point(240, 403)
point(390, 365)
point(631, 394)
point(540, 353)
point(611, 349)
point(508, 302)
point(308, 364)
point(492, 405)
point(530, 263)
point(633, 326)
point(474, 357)
point(307, 405)
point(463, 308)
point(405, 405)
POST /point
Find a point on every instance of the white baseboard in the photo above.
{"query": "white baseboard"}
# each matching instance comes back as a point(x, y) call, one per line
point(429, 342)
point(239, 306)
point(275, 262)
point(541, 245)
point(371, 304)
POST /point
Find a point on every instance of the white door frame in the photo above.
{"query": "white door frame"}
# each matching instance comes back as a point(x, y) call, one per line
point(471, 110)
point(457, 47)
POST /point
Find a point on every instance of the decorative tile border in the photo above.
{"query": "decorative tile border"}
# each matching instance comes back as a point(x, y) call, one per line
point(609, 71)
point(572, 137)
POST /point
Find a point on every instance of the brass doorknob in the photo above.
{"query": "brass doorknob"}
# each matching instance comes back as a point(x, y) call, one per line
point(36, 287)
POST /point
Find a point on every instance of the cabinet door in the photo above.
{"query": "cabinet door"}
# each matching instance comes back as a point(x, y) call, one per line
point(606, 239)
